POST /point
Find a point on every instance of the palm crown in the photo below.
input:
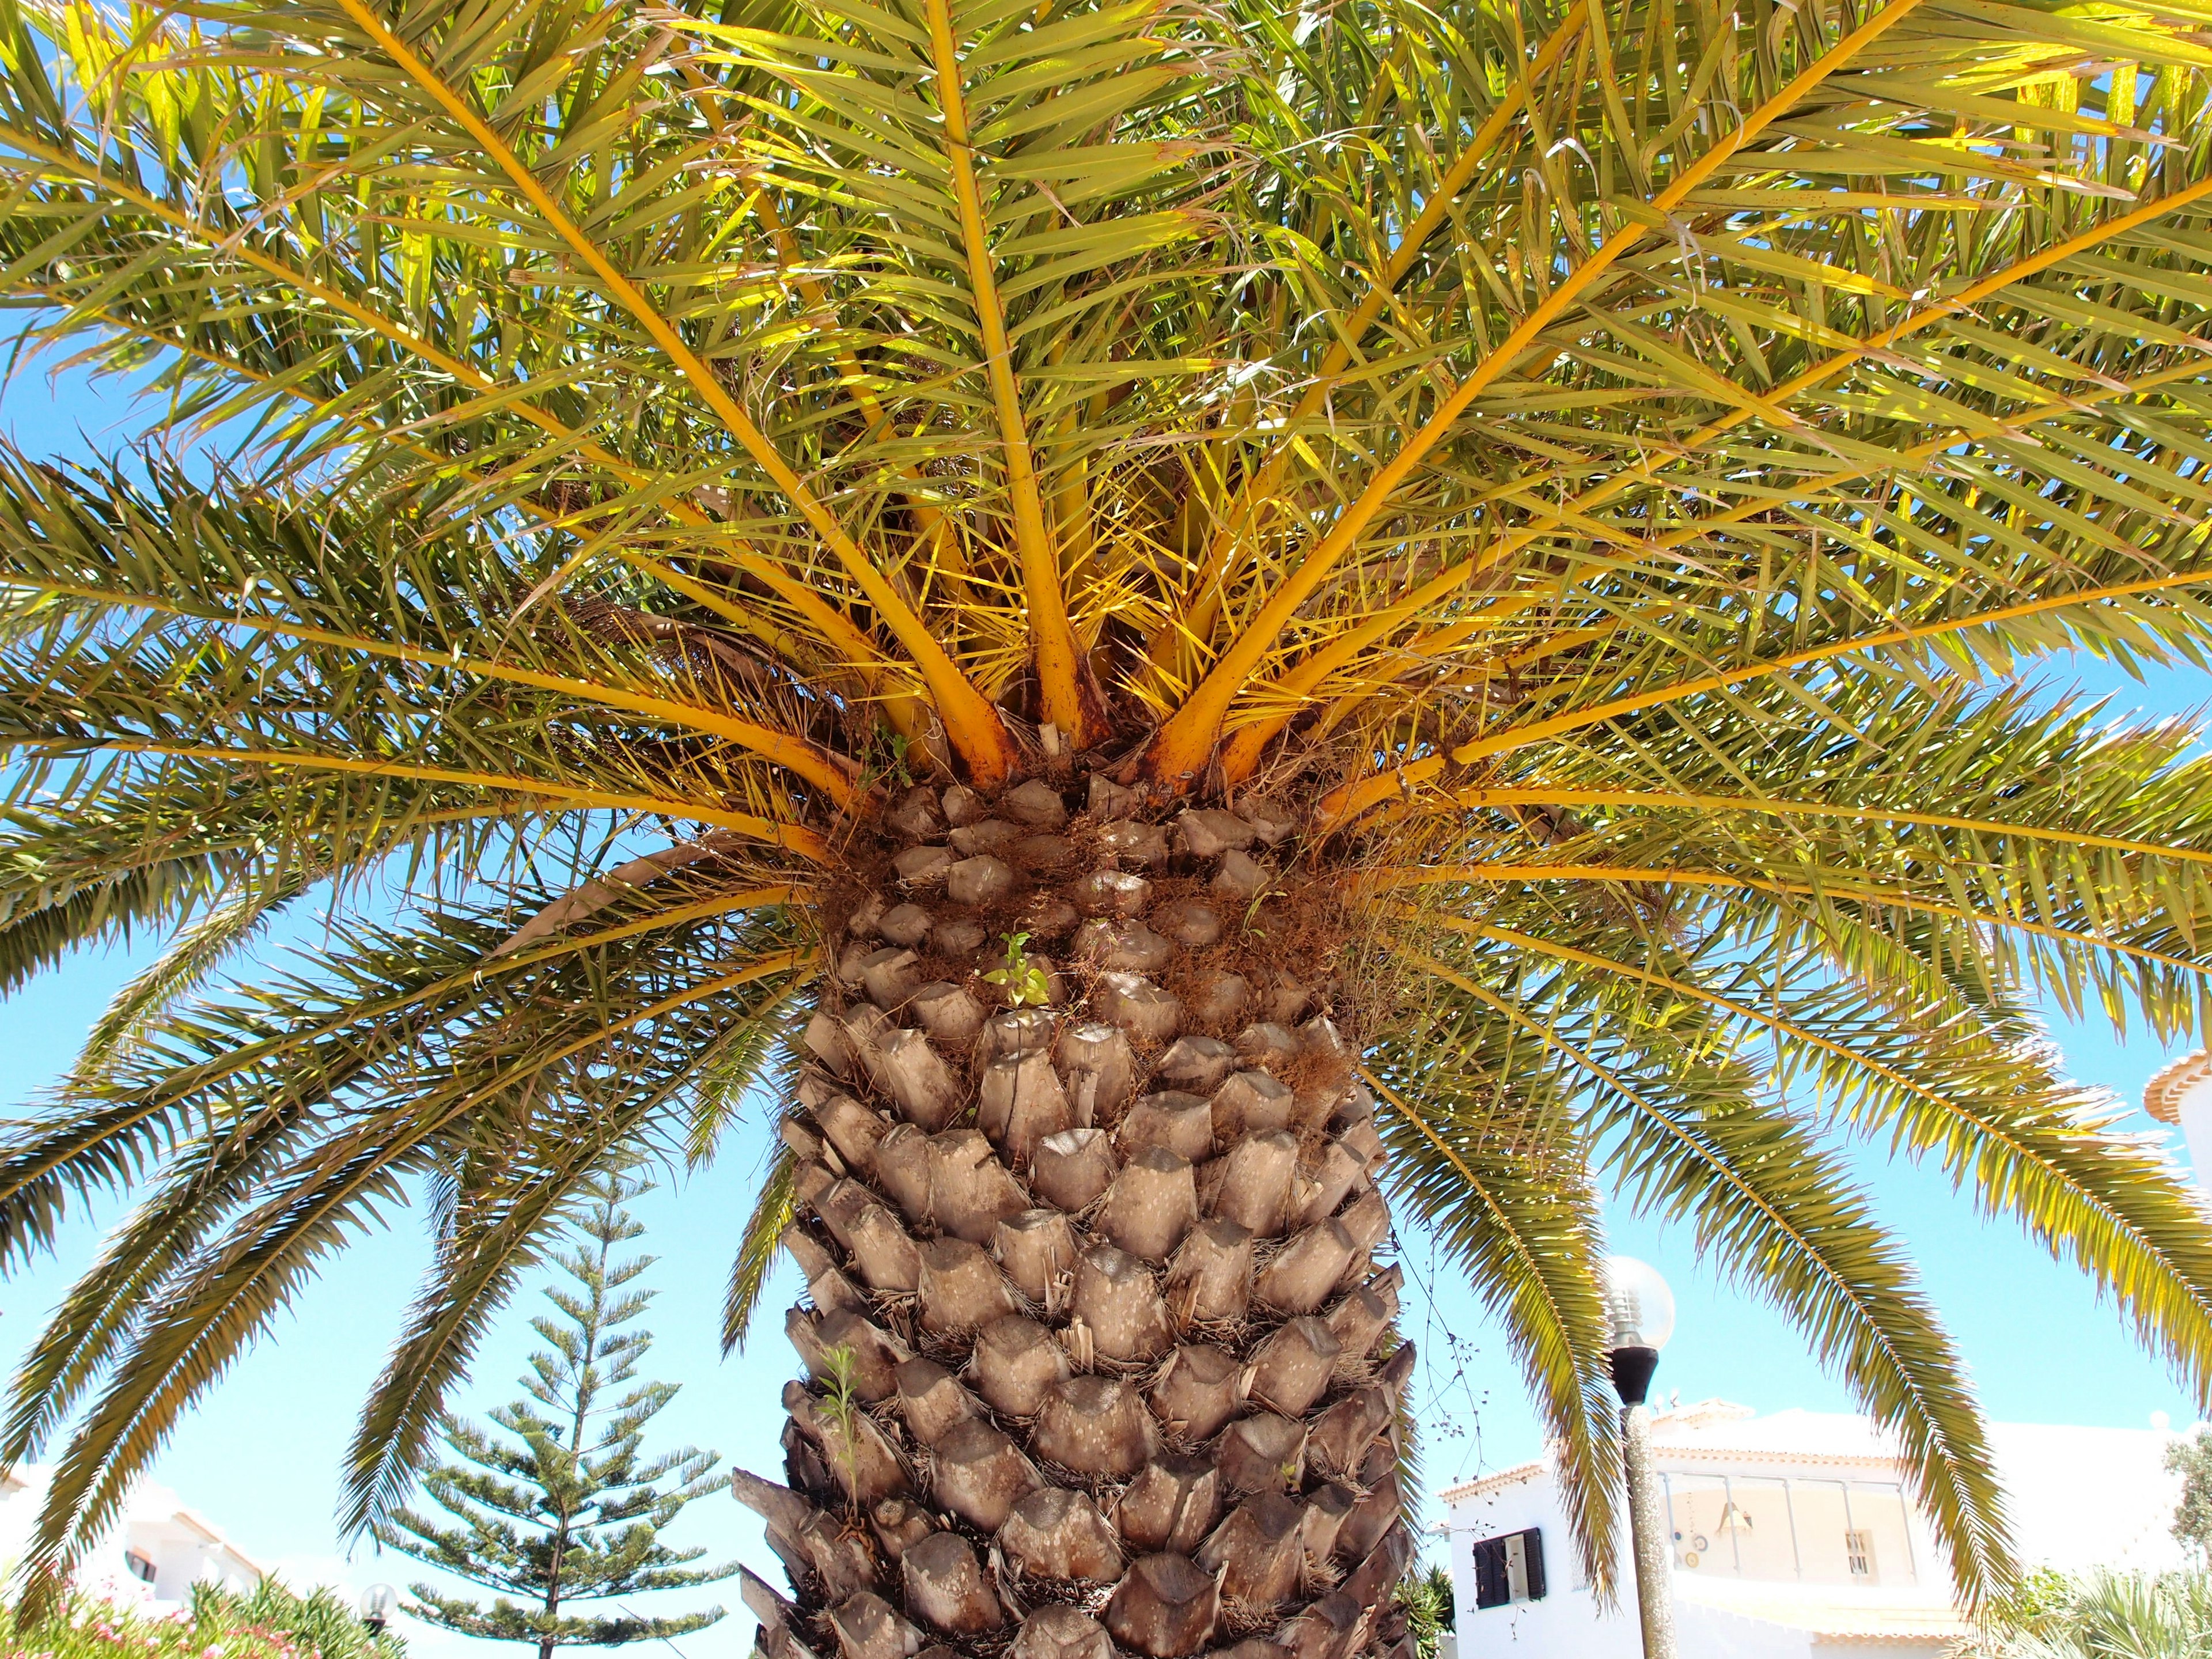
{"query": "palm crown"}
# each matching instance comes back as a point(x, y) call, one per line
point(1600, 466)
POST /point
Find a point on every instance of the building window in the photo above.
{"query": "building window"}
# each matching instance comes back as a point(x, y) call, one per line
point(141, 1568)
point(1509, 1569)
point(1858, 1550)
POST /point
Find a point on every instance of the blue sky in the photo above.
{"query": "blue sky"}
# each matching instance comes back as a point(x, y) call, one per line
point(260, 1457)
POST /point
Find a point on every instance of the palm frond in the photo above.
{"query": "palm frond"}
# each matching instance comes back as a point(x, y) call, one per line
point(757, 1251)
point(1498, 1179)
point(484, 1097)
point(1617, 462)
point(1685, 1138)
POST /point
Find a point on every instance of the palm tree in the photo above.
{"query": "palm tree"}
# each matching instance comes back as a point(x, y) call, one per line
point(1163, 620)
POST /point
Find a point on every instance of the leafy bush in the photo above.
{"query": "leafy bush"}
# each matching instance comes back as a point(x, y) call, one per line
point(271, 1622)
point(2105, 1615)
point(2191, 1460)
point(1426, 1599)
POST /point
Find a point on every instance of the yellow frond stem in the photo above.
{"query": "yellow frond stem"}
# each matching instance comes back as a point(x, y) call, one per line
point(904, 712)
point(368, 317)
point(1434, 647)
point(818, 766)
point(1067, 700)
point(491, 966)
point(1771, 806)
point(503, 960)
point(1387, 881)
point(971, 723)
point(790, 259)
point(1675, 986)
point(1342, 804)
point(1981, 1127)
point(1251, 741)
point(791, 837)
point(1204, 591)
point(1242, 753)
point(1879, 897)
point(1181, 748)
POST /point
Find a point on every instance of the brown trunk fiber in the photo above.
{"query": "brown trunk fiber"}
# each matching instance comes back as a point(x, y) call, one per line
point(1097, 1355)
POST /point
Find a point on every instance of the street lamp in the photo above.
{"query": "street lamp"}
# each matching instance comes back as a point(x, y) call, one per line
point(377, 1602)
point(1640, 1309)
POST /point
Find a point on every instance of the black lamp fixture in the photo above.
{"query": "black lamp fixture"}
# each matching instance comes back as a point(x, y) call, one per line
point(1640, 1310)
point(377, 1602)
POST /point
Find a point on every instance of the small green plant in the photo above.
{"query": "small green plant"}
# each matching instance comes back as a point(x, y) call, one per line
point(1023, 982)
point(1252, 912)
point(899, 744)
point(322, 1622)
point(843, 1407)
point(884, 756)
point(2041, 1597)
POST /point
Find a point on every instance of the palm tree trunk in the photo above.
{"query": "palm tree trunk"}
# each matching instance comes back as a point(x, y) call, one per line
point(1097, 1348)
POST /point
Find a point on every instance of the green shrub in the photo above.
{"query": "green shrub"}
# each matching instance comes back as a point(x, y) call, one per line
point(272, 1622)
point(2104, 1615)
point(1426, 1599)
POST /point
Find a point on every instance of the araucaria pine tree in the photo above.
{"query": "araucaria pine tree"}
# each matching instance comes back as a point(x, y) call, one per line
point(565, 1509)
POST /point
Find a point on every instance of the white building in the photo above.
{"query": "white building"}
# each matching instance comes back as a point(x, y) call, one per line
point(151, 1559)
point(1794, 1536)
point(2181, 1094)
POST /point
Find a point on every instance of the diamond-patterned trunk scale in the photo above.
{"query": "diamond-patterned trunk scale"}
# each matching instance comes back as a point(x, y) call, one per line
point(1098, 1354)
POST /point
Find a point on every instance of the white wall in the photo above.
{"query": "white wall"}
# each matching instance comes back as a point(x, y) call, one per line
point(2089, 1498)
point(1568, 1620)
point(2078, 1498)
point(1714, 1633)
point(2195, 1111)
point(182, 1558)
point(155, 1526)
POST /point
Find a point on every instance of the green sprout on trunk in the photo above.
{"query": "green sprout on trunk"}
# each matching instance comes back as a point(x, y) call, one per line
point(1023, 981)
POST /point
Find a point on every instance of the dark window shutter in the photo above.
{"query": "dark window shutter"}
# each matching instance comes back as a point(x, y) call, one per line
point(1535, 1546)
point(1490, 1586)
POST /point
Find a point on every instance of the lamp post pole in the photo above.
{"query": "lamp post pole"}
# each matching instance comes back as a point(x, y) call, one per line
point(1642, 1312)
point(1646, 1515)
